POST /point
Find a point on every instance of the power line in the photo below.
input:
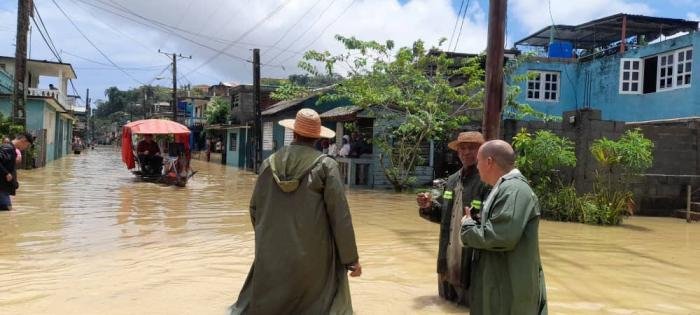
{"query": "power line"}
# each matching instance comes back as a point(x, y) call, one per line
point(163, 27)
point(46, 41)
point(323, 31)
point(459, 13)
point(318, 18)
point(186, 11)
point(117, 29)
point(464, 17)
point(171, 29)
point(50, 42)
point(109, 65)
point(289, 29)
point(93, 44)
point(244, 34)
point(566, 72)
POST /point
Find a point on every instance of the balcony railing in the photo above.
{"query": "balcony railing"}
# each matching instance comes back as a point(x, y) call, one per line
point(195, 120)
point(55, 94)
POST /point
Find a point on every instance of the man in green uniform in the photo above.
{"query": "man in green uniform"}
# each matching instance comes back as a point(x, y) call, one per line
point(463, 187)
point(508, 276)
point(304, 238)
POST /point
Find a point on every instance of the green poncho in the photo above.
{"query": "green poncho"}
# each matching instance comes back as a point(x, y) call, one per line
point(508, 277)
point(303, 237)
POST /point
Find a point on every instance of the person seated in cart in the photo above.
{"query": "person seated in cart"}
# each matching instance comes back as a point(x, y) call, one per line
point(149, 156)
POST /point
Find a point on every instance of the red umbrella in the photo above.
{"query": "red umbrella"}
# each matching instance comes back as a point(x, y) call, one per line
point(156, 126)
point(151, 126)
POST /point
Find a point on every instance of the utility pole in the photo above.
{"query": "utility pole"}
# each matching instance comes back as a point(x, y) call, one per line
point(175, 58)
point(494, 69)
point(256, 106)
point(24, 10)
point(87, 116)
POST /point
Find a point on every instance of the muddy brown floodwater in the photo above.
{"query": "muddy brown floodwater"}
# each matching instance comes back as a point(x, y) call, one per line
point(86, 238)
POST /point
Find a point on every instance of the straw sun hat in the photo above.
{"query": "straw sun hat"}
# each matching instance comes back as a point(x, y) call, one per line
point(308, 124)
point(466, 137)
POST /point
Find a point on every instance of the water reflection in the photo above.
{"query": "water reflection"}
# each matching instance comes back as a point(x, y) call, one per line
point(87, 238)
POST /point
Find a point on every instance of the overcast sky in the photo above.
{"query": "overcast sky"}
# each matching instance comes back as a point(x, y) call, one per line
point(220, 35)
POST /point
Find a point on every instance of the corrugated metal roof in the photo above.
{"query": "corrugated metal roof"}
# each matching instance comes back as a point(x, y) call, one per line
point(283, 105)
point(340, 111)
point(601, 32)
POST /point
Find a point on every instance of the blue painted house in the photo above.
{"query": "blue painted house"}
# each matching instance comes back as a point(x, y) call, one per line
point(48, 110)
point(631, 67)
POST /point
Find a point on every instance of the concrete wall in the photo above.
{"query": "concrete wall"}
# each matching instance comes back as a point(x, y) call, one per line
point(35, 114)
point(604, 76)
point(676, 159)
point(6, 105)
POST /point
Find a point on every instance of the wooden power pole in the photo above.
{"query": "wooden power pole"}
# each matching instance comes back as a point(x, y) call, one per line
point(175, 58)
point(494, 69)
point(87, 116)
point(24, 9)
point(256, 106)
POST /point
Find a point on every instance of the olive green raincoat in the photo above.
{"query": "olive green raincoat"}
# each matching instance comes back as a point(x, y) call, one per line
point(441, 212)
point(508, 276)
point(304, 237)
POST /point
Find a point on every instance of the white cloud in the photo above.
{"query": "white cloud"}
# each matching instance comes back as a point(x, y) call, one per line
point(692, 16)
point(534, 14)
point(133, 45)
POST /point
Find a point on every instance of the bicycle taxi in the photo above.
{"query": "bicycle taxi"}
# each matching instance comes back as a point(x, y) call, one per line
point(176, 163)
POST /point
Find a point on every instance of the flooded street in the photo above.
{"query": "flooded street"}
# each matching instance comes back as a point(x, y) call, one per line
point(86, 238)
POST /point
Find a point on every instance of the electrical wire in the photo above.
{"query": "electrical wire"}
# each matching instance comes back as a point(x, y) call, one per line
point(93, 44)
point(109, 65)
point(162, 27)
point(323, 31)
point(318, 18)
point(289, 29)
point(243, 35)
point(454, 29)
point(566, 72)
point(464, 18)
point(46, 31)
point(50, 43)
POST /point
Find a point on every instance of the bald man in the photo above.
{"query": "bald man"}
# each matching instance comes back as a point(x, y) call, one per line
point(507, 277)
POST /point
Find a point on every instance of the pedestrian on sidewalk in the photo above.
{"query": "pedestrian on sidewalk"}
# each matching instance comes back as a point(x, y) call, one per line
point(304, 238)
point(8, 167)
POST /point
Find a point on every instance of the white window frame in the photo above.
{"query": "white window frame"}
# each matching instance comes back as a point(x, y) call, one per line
point(665, 72)
point(671, 81)
point(267, 136)
point(684, 67)
point(628, 82)
point(539, 86)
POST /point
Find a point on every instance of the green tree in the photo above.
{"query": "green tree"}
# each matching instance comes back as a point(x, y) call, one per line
point(217, 111)
point(620, 161)
point(290, 91)
point(408, 91)
point(540, 157)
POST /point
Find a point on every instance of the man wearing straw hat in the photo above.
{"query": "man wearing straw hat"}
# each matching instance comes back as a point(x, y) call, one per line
point(463, 188)
point(304, 238)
